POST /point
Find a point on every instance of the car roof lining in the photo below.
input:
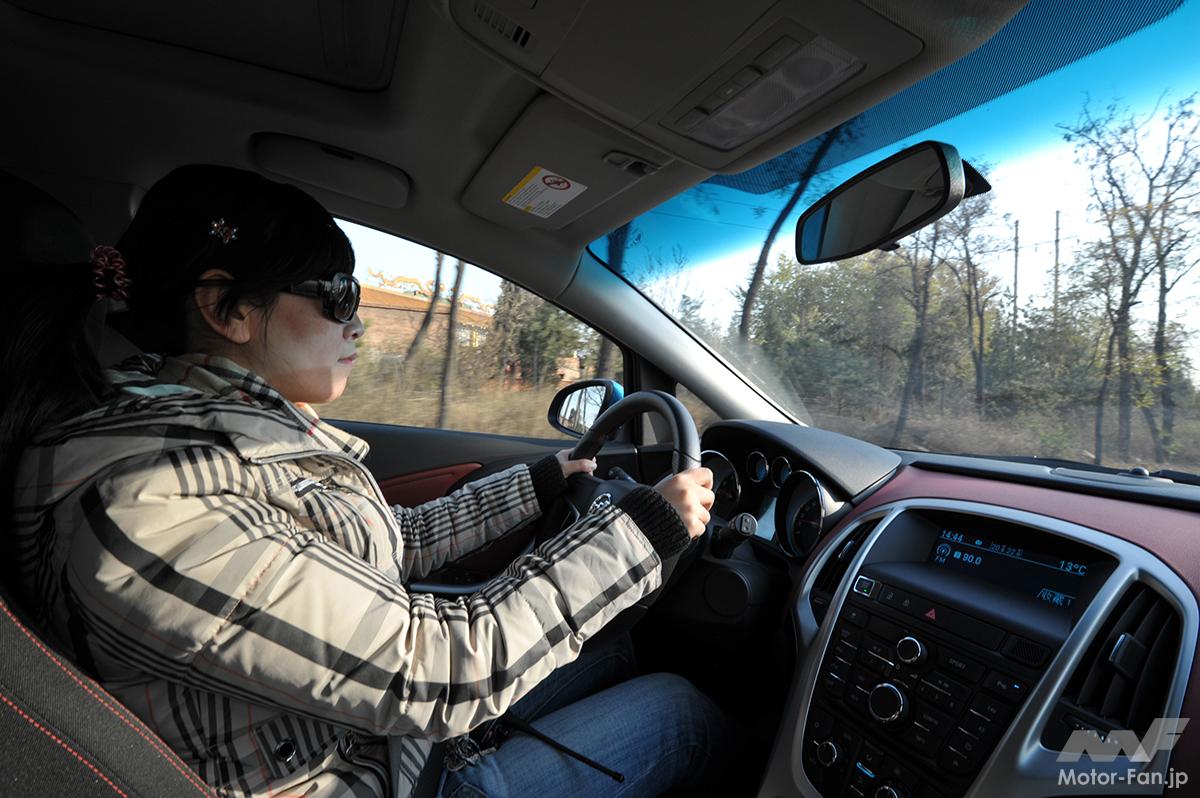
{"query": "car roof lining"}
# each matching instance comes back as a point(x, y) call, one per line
point(126, 110)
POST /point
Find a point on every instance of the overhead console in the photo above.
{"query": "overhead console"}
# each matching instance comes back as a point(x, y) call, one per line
point(725, 85)
point(965, 643)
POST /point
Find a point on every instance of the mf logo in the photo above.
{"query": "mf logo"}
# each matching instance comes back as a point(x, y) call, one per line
point(1161, 736)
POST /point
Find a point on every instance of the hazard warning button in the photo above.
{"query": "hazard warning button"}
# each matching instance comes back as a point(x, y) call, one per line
point(941, 616)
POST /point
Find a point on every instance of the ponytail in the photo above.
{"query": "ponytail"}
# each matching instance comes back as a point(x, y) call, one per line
point(48, 371)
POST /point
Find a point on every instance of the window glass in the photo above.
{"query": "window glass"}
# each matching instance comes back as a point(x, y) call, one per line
point(453, 346)
point(702, 414)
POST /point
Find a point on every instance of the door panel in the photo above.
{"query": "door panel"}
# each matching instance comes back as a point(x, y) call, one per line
point(422, 486)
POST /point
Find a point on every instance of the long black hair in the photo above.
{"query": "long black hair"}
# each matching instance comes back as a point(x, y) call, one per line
point(265, 234)
point(184, 226)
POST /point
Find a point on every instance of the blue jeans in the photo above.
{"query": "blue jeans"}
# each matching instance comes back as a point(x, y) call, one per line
point(658, 731)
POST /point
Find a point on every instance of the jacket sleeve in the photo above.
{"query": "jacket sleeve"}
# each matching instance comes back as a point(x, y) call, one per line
point(442, 530)
point(209, 585)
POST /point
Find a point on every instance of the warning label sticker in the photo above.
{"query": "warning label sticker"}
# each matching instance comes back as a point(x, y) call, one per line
point(543, 193)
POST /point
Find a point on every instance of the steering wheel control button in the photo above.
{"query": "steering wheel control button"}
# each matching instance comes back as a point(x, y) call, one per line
point(828, 754)
point(865, 586)
point(1005, 686)
point(910, 651)
point(887, 703)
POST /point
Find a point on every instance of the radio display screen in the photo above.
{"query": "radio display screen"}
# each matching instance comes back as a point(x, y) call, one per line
point(1055, 580)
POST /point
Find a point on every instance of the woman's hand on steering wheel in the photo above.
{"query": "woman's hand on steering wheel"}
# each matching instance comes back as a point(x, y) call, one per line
point(690, 493)
point(569, 466)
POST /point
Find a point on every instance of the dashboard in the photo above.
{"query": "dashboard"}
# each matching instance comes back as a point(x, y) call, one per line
point(962, 623)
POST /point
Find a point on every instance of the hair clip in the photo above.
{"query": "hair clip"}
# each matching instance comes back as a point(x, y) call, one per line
point(223, 231)
point(108, 274)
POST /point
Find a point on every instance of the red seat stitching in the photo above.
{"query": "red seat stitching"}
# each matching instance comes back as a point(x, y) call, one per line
point(73, 752)
point(166, 754)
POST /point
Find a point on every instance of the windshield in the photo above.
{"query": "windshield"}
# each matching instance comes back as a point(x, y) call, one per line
point(1055, 316)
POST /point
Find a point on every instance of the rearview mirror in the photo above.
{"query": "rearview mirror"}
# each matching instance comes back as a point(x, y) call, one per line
point(882, 204)
point(575, 408)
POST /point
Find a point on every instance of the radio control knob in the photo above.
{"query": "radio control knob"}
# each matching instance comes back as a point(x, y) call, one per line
point(887, 703)
point(828, 753)
point(910, 651)
point(888, 791)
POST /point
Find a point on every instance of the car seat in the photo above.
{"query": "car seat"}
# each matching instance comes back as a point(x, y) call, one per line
point(60, 733)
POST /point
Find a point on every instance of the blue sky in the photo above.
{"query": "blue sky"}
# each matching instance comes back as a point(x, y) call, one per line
point(716, 221)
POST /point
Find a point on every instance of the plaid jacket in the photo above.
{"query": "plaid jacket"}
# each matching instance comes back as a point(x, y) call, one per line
point(224, 564)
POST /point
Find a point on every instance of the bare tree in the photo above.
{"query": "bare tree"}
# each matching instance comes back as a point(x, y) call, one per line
point(921, 260)
point(1143, 172)
point(966, 229)
point(427, 319)
point(451, 349)
point(808, 170)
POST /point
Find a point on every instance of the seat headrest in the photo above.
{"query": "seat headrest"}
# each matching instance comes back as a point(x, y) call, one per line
point(36, 228)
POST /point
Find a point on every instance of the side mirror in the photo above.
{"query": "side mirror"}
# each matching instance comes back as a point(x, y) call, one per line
point(882, 204)
point(575, 408)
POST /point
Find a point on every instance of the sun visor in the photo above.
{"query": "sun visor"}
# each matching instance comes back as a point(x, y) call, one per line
point(718, 84)
point(331, 168)
point(349, 43)
point(554, 165)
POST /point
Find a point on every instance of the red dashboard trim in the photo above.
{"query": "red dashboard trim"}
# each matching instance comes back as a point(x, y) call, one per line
point(1170, 534)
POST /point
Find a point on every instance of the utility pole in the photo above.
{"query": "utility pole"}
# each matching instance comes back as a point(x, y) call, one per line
point(1056, 215)
point(1016, 258)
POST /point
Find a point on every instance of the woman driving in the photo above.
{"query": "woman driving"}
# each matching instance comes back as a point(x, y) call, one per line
point(220, 559)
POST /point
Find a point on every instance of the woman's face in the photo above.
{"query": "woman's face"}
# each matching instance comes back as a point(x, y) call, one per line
point(301, 352)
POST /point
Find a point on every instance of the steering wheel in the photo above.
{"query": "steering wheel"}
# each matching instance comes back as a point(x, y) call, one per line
point(588, 494)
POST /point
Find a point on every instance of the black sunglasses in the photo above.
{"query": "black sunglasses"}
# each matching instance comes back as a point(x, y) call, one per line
point(339, 295)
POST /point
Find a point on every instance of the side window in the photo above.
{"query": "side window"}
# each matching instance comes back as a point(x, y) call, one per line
point(701, 412)
point(453, 346)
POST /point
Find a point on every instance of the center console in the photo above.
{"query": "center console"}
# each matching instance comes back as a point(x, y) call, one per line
point(935, 649)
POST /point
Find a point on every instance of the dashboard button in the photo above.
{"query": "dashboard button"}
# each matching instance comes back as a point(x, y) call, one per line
point(848, 634)
point(845, 650)
point(910, 650)
point(863, 678)
point(834, 685)
point(939, 698)
point(965, 744)
point(894, 770)
point(865, 586)
point(989, 707)
point(1005, 686)
point(885, 629)
point(887, 703)
point(982, 727)
point(960, 666)
point(937, 722)
point(921, 739)
point(828, 754)
point(856, 699)
point(855, 615)
point(820, 724)
point(955, 762)
point(948, 685)
point(871, 758)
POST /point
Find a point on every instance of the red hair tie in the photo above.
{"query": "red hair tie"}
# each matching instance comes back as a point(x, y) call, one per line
point(108, 273)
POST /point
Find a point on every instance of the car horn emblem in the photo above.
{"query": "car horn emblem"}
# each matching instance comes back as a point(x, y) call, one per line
point(600, 502)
